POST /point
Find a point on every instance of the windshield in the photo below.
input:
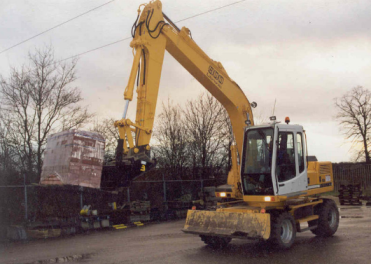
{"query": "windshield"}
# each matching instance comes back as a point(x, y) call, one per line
point(257, 162)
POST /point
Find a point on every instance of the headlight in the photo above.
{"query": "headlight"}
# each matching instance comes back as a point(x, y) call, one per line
point(267, 198)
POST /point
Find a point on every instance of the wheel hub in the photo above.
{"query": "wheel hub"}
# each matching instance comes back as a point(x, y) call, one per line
point(332, 218)
point(286, 231)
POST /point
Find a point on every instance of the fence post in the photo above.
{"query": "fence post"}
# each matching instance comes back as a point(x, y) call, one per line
point(128, 193)
point(164, 186)
point(25, 197)
point(165, 201)
point(81, 201)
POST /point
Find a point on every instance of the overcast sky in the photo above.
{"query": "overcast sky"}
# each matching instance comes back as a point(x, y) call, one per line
point(301, 53)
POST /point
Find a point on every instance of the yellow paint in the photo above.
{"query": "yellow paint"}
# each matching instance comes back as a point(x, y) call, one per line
point(209, 73)
point(121, 227)
point(128, 94)
point(138, 223)
point(242, 224)
point(320, 173)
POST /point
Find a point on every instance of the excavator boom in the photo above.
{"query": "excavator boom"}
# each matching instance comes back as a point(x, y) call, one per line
point(153, 33)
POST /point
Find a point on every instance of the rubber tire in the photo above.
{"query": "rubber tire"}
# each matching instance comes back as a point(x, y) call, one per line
point(326, 227)
point(216, 242)
point(282, 223)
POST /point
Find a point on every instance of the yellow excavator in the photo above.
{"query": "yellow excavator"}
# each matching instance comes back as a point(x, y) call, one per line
point(273, 186)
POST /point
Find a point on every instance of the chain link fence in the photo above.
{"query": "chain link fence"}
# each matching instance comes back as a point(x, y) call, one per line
point(20, 204)
point(27, 202)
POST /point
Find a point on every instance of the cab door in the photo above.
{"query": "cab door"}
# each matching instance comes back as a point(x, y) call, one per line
point(290, 171)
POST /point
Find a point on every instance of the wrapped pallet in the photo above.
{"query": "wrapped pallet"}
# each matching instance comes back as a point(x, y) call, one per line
point(73, 157)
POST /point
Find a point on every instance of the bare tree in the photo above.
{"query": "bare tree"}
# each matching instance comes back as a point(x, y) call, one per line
point(8, 168)
point(170, 134)
point(106, 128)
point(204, 122)
point(39, 99)
point(228, 140)
point(260, 117)
point(354, 116)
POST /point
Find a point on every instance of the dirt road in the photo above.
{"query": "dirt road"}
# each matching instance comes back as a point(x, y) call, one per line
point(165, 243)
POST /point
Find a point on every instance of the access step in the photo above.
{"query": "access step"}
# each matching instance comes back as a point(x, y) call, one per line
point(304, 220)
point(306, 229)
point(307, 219)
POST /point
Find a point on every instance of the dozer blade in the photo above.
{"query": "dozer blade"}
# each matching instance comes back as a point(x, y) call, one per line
point(230, 224)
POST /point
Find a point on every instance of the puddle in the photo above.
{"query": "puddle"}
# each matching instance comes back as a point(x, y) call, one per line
point(81, 257)
point(347, 208)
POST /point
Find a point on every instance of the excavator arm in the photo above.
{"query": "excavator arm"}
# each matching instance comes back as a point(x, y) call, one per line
point(153, 33)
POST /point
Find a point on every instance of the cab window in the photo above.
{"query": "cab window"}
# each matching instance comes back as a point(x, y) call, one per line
point(257, 162)
point(286, 169)
point(299, 139)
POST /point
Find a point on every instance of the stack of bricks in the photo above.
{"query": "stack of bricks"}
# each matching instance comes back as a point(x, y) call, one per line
point(73, 157)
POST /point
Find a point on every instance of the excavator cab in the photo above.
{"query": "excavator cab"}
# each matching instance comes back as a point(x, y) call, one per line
point(274, 161)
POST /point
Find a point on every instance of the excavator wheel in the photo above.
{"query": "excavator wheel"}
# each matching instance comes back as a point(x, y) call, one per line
point(216, 242)
point(328, 221)
point(283, 230)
